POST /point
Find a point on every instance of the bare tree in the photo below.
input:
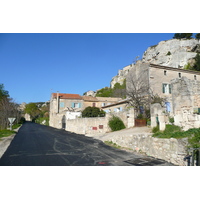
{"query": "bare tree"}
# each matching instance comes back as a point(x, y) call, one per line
point(8, 109)
point(138, 88)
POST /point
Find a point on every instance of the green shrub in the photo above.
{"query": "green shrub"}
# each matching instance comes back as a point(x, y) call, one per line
point(93, 112)
point(168, 53)
point(115, 123)
point(171, 120)
point(155, 129)
point(40, 120)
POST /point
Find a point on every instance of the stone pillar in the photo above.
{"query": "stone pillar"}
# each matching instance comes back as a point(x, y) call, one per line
point(162, 124)
point(153, 121)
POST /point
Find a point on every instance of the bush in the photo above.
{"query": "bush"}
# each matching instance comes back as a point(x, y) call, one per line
point(171, 120)
point(92, 112)
point(155, 129)
point(116, 124)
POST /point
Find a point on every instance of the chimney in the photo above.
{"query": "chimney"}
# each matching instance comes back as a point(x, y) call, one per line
point(57, 101)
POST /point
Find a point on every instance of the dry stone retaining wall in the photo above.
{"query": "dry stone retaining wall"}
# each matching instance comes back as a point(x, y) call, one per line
point(172, 150)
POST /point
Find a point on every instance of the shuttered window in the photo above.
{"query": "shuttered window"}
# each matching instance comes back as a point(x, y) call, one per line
point(62, 104)
point(166, 88)
point(76, 105)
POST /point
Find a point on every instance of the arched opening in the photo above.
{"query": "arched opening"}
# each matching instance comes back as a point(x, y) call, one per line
point(63, 122)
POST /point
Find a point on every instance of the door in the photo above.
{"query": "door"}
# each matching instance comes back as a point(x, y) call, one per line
point(63, 122)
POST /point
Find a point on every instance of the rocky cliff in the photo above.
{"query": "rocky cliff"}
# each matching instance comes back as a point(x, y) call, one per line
point(172, 53)
point(122, 73)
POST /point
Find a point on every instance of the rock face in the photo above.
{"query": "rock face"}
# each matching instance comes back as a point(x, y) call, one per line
point(171, 53)
point(120, 76)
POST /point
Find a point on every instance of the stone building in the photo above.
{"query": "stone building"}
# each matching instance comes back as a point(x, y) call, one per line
point(186, 102)
point(178, 87)
point(116, 107)
point(65, 107)
point(157, 80)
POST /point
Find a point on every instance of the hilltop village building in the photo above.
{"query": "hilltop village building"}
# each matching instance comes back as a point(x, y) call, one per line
point(69, 106)
point(178, 87)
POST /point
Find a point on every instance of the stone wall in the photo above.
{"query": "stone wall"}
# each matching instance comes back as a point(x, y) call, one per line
point(98, 124)
point(172, 150)
point(186, 98)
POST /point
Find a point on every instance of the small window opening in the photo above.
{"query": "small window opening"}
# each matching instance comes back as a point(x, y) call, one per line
point(165, 73)
point(179, 75)
point(195, 77)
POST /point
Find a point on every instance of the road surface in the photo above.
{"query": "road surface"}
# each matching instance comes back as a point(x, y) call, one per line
point(39, 145)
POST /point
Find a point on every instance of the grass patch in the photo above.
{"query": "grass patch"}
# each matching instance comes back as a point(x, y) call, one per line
point(6, 133)
point(16, 126)
point(173, 131)
point(112, 144)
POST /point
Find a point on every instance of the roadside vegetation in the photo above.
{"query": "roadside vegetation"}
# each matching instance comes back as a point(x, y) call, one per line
point(6, 133)
point(116, 124)
point(39, 112)
point(8, 109)
point(112, 144)
point(173, 131)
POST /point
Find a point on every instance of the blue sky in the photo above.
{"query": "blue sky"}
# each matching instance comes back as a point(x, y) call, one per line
point(35, 64)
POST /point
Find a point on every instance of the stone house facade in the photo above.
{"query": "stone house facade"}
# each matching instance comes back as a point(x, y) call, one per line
point(158, 79)
point(65, 107)
point(167, 82)
point(116, 107)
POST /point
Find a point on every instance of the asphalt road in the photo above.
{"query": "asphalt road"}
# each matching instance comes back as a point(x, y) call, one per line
point(38, 145)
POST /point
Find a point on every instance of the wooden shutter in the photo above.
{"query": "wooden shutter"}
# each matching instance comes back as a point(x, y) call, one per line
point(170, 89)
point(163, 88)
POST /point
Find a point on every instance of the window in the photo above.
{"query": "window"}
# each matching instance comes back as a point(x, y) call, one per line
point(62, 104)
point(76, 105)
point(195, 77)
point(103, 104)
point(165, 73)
point(179, 75)
point(94, 104)
point(168, 106)
point(166, 88)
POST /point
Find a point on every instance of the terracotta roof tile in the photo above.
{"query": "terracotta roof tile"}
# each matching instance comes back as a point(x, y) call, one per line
point(67, 96)
point(89, 98)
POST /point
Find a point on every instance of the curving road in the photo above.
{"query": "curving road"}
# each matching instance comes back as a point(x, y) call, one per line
point(38, 145)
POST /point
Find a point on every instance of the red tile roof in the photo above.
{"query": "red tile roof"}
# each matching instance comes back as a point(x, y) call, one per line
point(67, 96)
point(89, 98)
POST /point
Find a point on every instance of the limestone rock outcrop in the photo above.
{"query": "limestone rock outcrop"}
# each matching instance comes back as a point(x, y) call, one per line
point(120, 76)
point(171, 53)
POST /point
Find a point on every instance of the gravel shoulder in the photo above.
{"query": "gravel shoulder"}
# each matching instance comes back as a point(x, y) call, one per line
point(5, 142)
